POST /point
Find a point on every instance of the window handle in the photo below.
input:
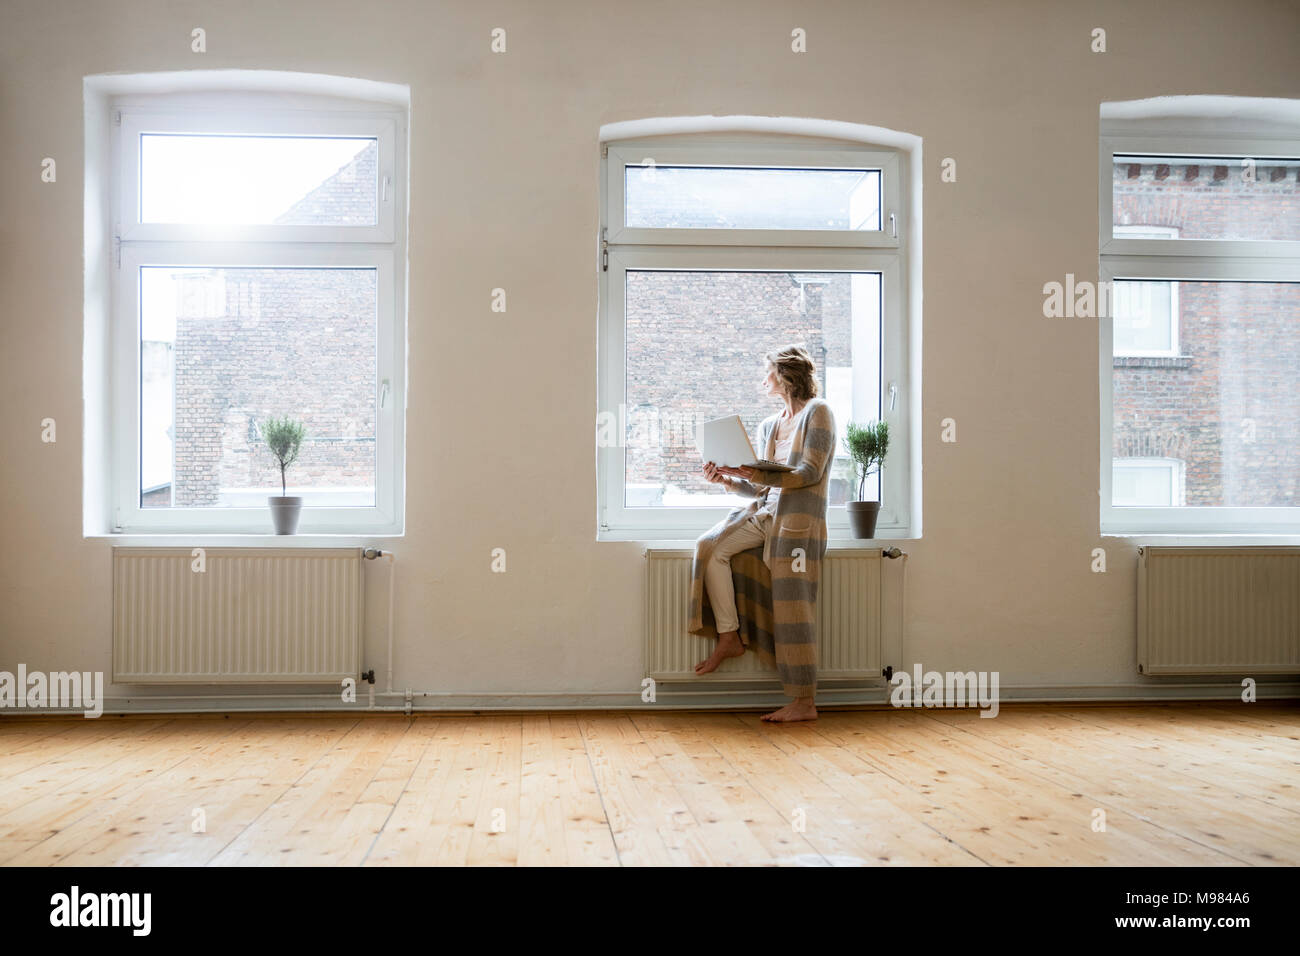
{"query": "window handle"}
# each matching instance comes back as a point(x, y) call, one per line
point(383, 393)
point(383, 190)
point(893, 395)
point(893, 225)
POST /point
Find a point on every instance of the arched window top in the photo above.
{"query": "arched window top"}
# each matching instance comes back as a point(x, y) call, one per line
point(773, 126)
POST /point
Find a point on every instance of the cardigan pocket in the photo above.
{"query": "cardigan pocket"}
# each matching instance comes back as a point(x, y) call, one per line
point(796, 533)
point(796, 526)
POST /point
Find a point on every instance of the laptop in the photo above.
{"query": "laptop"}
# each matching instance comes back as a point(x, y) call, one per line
point(724, 441)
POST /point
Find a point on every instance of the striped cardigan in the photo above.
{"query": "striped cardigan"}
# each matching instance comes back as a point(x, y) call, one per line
point(776, 589)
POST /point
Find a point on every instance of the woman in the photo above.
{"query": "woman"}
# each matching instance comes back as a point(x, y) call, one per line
point(787, 517)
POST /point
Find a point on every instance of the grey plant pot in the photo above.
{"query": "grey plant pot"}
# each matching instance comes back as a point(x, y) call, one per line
point(862, 517)
point(285, 513)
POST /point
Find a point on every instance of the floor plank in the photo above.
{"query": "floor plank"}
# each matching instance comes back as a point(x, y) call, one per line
point(1112, 775)
point(996, 808)
point(226, 787)
point(1186, 747)
point(300, 826)
point(742, 826)
point(416, 827)
point(650, 822)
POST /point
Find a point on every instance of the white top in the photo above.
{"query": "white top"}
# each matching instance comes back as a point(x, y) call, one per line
point(782, 454)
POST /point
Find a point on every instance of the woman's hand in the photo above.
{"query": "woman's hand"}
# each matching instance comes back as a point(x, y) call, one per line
point(712, 473)
point(744, 471)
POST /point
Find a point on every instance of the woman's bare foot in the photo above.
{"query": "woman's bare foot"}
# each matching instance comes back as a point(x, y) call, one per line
point(729, 645)
point(801, 708)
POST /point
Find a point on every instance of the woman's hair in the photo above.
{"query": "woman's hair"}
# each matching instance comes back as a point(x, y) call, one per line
point(795, 369)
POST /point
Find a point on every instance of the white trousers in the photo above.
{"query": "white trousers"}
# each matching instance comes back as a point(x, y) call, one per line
point(717, 575)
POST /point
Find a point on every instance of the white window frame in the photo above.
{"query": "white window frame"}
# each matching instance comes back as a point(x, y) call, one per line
point(771, 156)
point(141, 121)
point(380, 246)
point(883, 251)
point(1189, 260)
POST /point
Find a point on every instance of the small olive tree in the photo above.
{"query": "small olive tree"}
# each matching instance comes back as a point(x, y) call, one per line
point(283, 437)
point(868, 446)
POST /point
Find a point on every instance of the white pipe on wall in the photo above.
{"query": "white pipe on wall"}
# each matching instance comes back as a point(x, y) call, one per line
point(392, 568)
point(370, 554)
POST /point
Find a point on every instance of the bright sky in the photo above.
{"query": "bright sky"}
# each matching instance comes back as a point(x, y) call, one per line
point(762, 198)
point(158, 304)
point(234, 179)
point(224, 180)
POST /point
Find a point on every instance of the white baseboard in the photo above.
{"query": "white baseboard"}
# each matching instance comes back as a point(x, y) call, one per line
point(672, 696)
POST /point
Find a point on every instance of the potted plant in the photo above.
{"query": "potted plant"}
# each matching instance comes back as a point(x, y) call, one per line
point(867, 446)
point(284, 438)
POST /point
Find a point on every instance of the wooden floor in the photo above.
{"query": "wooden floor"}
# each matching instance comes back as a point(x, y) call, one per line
point(1184, 784)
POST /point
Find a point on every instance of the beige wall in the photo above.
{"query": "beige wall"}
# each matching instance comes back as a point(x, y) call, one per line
point(504, 168)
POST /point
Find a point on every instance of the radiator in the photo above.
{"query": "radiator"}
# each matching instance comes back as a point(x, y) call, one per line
point(1218, 611)
point(253, 615)
point(848, 620)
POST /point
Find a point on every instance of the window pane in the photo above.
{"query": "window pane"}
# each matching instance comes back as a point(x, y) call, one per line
point(695, 344)
point(1228, 406)
point(1144, 319)
point(1208, 198)
point(258, 180)
point(1152, 483)
point(222, 350)
point(723, 197)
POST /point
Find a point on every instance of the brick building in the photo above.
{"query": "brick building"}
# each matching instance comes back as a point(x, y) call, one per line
point(1221, 410)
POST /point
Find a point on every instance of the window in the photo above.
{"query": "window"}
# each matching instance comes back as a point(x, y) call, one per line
point(1145, 313)
point(1200, 368)
point(258, 265)
point(718, 249)
point(1145, 318)
point(1148, 482)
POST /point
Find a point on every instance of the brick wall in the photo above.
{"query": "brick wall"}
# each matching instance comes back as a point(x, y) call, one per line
point(348, 198)
point(296, 342)
point(695, 347)
point(1209, 202)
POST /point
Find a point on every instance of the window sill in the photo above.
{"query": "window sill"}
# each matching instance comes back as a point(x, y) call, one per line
point(268, 540)
point(1151, 361)
point(673, 540)
point(1206, 539)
